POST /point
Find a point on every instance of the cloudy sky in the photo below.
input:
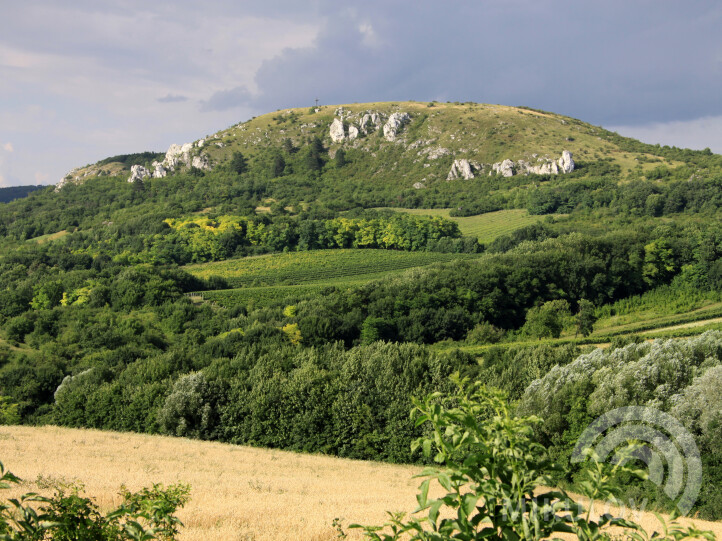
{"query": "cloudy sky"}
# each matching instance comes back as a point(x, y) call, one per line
point(84, 79)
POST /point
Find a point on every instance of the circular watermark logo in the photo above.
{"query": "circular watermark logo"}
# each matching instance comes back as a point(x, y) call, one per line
point(667, 448)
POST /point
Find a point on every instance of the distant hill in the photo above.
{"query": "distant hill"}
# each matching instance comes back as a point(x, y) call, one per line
point(410, 146)
point(17, 192)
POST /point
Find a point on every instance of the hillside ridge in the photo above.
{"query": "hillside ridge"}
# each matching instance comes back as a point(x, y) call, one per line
point(431, 142)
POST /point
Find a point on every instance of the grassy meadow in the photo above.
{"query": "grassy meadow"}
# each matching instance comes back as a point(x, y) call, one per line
point(486, 227)
point(237, 493)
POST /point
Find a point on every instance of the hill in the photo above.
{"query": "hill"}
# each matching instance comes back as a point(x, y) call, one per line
point(398, 149)
point(16, 192)
point(236, 492)
point(261, 286)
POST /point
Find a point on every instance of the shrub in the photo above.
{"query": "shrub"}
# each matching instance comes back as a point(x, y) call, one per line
point(484, 333)
point(188, 410)
point(491, 472)
point(68, 516)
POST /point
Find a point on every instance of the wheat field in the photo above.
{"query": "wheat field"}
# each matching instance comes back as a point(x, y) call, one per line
point(238, 493)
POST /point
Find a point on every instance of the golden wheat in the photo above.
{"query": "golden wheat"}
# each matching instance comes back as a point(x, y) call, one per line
point(238, 493)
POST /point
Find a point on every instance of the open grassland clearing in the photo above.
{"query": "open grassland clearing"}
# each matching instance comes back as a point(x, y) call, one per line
point(485, 227)
point(316, 265)
point(42, 239)
point(237, 493)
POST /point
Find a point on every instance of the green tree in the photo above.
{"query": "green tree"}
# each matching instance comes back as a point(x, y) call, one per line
point(278, 165)
point(9, 414)
point(585, 318)
point(659, 262)
point(238, 164)
point(340, 158)
point(547, 320)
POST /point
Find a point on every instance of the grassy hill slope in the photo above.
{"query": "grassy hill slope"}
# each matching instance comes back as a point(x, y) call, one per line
point(478, 132)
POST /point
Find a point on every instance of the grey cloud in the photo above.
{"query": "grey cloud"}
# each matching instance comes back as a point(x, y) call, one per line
point(227, 99)
point(172, 98)
point(608, 62)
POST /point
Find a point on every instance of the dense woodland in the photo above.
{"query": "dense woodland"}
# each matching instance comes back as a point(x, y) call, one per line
point(97, 330)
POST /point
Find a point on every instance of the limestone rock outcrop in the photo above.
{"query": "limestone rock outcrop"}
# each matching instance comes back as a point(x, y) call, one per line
point(138, 172)
point(370, 122)
point(352, 133)
point(505, 168)
point(201, 162)
point(460, 169)
point(566, 163)
point(158, 170)
point(182, 155)
point(394, 124)
point(176, 155)
point(543, 166)
point(336, 131)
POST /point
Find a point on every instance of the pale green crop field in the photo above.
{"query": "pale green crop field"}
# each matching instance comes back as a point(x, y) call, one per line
point(486, 227)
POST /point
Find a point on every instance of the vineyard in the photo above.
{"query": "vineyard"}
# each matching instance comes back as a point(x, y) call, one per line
point(295, 268)
point(275, 295)
point(485, 227)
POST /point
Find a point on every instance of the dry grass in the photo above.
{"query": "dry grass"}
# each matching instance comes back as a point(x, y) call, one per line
point(238, 493)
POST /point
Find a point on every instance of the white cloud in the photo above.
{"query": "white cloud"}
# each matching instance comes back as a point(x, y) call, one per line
point(697, 134)
point(81, 82)
point(41, 178)
point(8, 147)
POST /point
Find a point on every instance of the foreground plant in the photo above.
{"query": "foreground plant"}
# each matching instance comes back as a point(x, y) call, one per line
point(68, 516)
point(492, 471)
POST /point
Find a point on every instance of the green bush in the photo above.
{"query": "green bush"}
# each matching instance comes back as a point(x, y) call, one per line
point(68, 516)
point(492, 471)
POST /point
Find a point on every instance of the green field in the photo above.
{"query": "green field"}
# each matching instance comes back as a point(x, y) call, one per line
point(316, 266)
point(269, 279)
point(268, 295)
point(485, 227)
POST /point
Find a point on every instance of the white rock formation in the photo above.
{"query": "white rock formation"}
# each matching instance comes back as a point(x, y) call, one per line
point(505, 168)
point(370, 122)
point(543, 166)
point(352, 133)
point(181, 155)
point(138, 172)
point(394, 124)
point(460, 169)
point(419, 185)
point(178, 155)
point(201, 162)
point(566, 163)
point(546, 167)
point(336, 131)
point(159, 171)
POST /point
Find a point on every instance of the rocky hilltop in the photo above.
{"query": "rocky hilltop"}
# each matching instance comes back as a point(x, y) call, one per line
point(407, 144)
